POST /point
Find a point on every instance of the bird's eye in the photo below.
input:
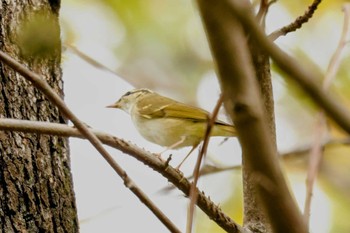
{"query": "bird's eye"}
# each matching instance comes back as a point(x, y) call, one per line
point(139, 91)
point(128, 93)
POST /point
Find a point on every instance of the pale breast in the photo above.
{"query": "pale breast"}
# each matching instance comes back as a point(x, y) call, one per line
point(167, 132)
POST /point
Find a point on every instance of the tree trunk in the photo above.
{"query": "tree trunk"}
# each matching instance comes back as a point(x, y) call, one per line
point(36, 190)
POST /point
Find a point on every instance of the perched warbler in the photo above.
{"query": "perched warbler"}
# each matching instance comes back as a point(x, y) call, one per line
point(167, 122)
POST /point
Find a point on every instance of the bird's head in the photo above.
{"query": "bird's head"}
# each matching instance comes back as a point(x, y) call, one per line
point(127, 101)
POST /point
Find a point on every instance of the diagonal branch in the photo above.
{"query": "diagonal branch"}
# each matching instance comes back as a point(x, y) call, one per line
point(90, 60)
point(175, 177)
point(40, 83)
point(202, 153)
point(297, 23)
point(304, 77)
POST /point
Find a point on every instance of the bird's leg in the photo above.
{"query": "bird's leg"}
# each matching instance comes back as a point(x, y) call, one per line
point(182, 139)
point(193, 148)
point(223, 141)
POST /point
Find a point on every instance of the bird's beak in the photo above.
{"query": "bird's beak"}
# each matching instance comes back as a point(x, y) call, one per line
point(115, 105)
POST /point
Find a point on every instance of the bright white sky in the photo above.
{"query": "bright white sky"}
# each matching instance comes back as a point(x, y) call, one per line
point(104, 204)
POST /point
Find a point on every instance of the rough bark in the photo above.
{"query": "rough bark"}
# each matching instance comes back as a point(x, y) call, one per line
point(254, 216)
point(36, 191)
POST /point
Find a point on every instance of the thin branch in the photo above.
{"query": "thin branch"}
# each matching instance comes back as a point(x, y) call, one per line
point(202, 153)
point(175, 177)
point(93, 62)
point(297, 23)
point(89, 59)
point(336, 57)
point(293, 154)
point(315, 158)
point(304, 77)
point(263, 10)
point(316, 154)
point(40, 83)
point(296, 153)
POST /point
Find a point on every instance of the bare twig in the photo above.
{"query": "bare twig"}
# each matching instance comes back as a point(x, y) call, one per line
point(98, 64)
point(304, 77)
point(315, 158)
point(321, 127)
point(297, 23)
point(171, 174)
point(291, 155)
point(40, 83)
point(90, 60)
point(263, 10)
point(202, 153)
point(335, 60)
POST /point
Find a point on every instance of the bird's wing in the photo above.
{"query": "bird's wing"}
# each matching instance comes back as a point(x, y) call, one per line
point(148, 107)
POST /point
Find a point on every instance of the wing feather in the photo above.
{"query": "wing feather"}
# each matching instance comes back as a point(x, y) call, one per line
point(166, 107)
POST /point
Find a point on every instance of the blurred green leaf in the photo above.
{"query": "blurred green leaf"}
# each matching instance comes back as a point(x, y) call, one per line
point(38, 34)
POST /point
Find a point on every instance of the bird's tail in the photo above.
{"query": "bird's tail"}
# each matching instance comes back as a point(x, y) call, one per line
point(224, 130)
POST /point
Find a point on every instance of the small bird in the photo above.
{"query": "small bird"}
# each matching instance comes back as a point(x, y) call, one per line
point(167, 122)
